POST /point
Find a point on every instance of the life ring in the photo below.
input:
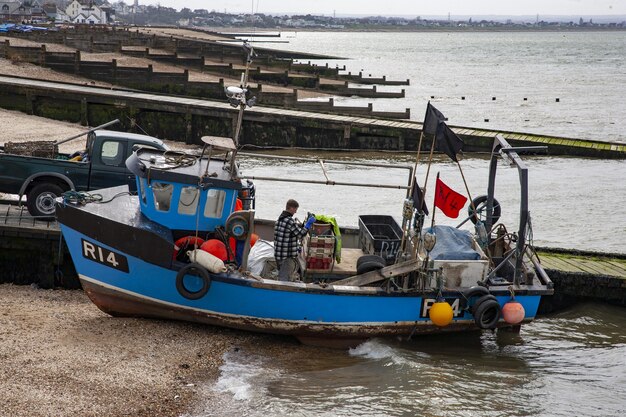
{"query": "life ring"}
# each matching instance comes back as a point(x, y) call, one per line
point(183, 244)
point(193, 269)
point(472, 292)
point(487, 312)
point(476, 203)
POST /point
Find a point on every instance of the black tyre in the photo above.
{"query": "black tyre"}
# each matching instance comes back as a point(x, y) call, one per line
point(472, 292)
point(487, 312)
point(369, 258)
point(40, 199)
point(480, 203)
point(197, 270)
point(369, 266)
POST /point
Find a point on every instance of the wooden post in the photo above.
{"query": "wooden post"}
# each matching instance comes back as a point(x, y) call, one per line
point(77, 63)
point(189, 130)
point(42, 56)
point(84, 112)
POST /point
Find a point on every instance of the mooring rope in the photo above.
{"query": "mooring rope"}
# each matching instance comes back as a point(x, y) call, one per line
point(82, 197)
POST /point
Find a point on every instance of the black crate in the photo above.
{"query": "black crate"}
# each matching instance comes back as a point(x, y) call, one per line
point(380, 235)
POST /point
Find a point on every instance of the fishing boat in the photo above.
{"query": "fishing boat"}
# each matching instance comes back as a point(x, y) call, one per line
point(142, 254)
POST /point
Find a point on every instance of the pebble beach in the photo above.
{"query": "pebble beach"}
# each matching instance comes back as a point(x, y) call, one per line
point(61, 356)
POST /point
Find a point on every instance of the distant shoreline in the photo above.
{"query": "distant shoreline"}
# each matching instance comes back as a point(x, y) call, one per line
point(228, 29)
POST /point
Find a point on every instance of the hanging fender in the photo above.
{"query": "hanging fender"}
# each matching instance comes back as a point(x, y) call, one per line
point(199, 271)
point(472, 292)
point(487, 312)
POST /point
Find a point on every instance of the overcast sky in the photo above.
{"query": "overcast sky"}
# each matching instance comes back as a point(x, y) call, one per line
point(407, 7)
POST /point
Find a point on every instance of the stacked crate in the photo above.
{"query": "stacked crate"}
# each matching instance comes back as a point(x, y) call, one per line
point(319, 252)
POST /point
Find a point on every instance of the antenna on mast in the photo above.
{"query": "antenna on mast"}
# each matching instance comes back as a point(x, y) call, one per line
point(237, 98)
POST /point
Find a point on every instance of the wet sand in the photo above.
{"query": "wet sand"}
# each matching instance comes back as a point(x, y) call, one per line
point(61, 356)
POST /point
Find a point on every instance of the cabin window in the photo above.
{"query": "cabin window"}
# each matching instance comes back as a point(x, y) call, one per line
point(112, 153)
point(214, 203)
point(188, 202)
point(5, 8)
point(142, 190)
point(162, 195)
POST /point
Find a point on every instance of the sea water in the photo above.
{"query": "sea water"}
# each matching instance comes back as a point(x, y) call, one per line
point(572, 363)
point(495, 72)
point(569, 364)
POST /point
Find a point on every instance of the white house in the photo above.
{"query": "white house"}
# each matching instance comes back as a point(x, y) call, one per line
point(85, 11)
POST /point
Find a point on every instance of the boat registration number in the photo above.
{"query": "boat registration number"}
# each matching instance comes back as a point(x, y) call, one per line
point(427, 303)
point(104, 256)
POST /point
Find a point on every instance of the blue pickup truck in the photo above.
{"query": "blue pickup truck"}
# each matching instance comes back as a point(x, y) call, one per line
point(100, 164)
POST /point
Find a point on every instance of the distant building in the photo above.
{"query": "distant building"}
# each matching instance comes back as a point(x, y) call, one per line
point(15, 11)
point(86, 11)
point(55, 14)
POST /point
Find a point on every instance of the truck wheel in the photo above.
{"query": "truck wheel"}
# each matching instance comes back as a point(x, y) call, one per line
point(40, 199)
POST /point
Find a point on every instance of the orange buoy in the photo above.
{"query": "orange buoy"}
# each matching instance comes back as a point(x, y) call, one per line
point(441, 313)
point(253, 239)
point(238, 205)
point(216, 248)
point(185, 243)
point(513, 312)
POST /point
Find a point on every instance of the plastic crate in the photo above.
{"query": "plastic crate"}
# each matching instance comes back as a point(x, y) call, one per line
point(322, 242)
point(318, 263)
point(380, 235)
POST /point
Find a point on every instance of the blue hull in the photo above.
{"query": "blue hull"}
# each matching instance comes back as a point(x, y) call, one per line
point(138, 288)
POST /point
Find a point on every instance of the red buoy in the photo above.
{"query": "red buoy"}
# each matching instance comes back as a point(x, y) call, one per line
point(216, 248)
point(513, 312)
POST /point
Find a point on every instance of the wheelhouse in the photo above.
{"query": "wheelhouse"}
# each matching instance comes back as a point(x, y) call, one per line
point(198, 195)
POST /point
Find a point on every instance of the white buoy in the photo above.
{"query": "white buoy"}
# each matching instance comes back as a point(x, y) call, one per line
point(210, 262)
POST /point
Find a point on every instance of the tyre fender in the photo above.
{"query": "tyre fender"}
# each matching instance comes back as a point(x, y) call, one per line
point(193, 269)
point(472, 292)
point(369, 258)
point(482, 199)
point(369, 266)
point(487, 312)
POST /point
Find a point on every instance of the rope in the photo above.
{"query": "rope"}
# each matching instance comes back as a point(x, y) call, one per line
point(175, 161)
point(82, 198)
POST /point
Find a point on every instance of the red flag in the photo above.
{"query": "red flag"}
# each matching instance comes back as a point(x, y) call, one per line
point(448, 200)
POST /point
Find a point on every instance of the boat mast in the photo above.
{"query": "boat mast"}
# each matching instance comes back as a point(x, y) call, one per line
point(237, 98)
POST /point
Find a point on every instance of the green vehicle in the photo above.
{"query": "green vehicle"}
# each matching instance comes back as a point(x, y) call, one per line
point(101, 164)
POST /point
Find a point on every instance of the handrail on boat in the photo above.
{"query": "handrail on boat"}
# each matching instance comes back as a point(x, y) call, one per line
point(502, 148)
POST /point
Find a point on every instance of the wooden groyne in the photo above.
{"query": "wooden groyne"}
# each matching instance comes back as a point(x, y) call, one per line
point(187, 119)
point(32, 252)
point(280, 86)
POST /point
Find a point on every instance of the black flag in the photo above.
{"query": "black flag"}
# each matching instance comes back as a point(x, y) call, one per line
point(432, 119)
point(447, 141)
point(417, 196)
